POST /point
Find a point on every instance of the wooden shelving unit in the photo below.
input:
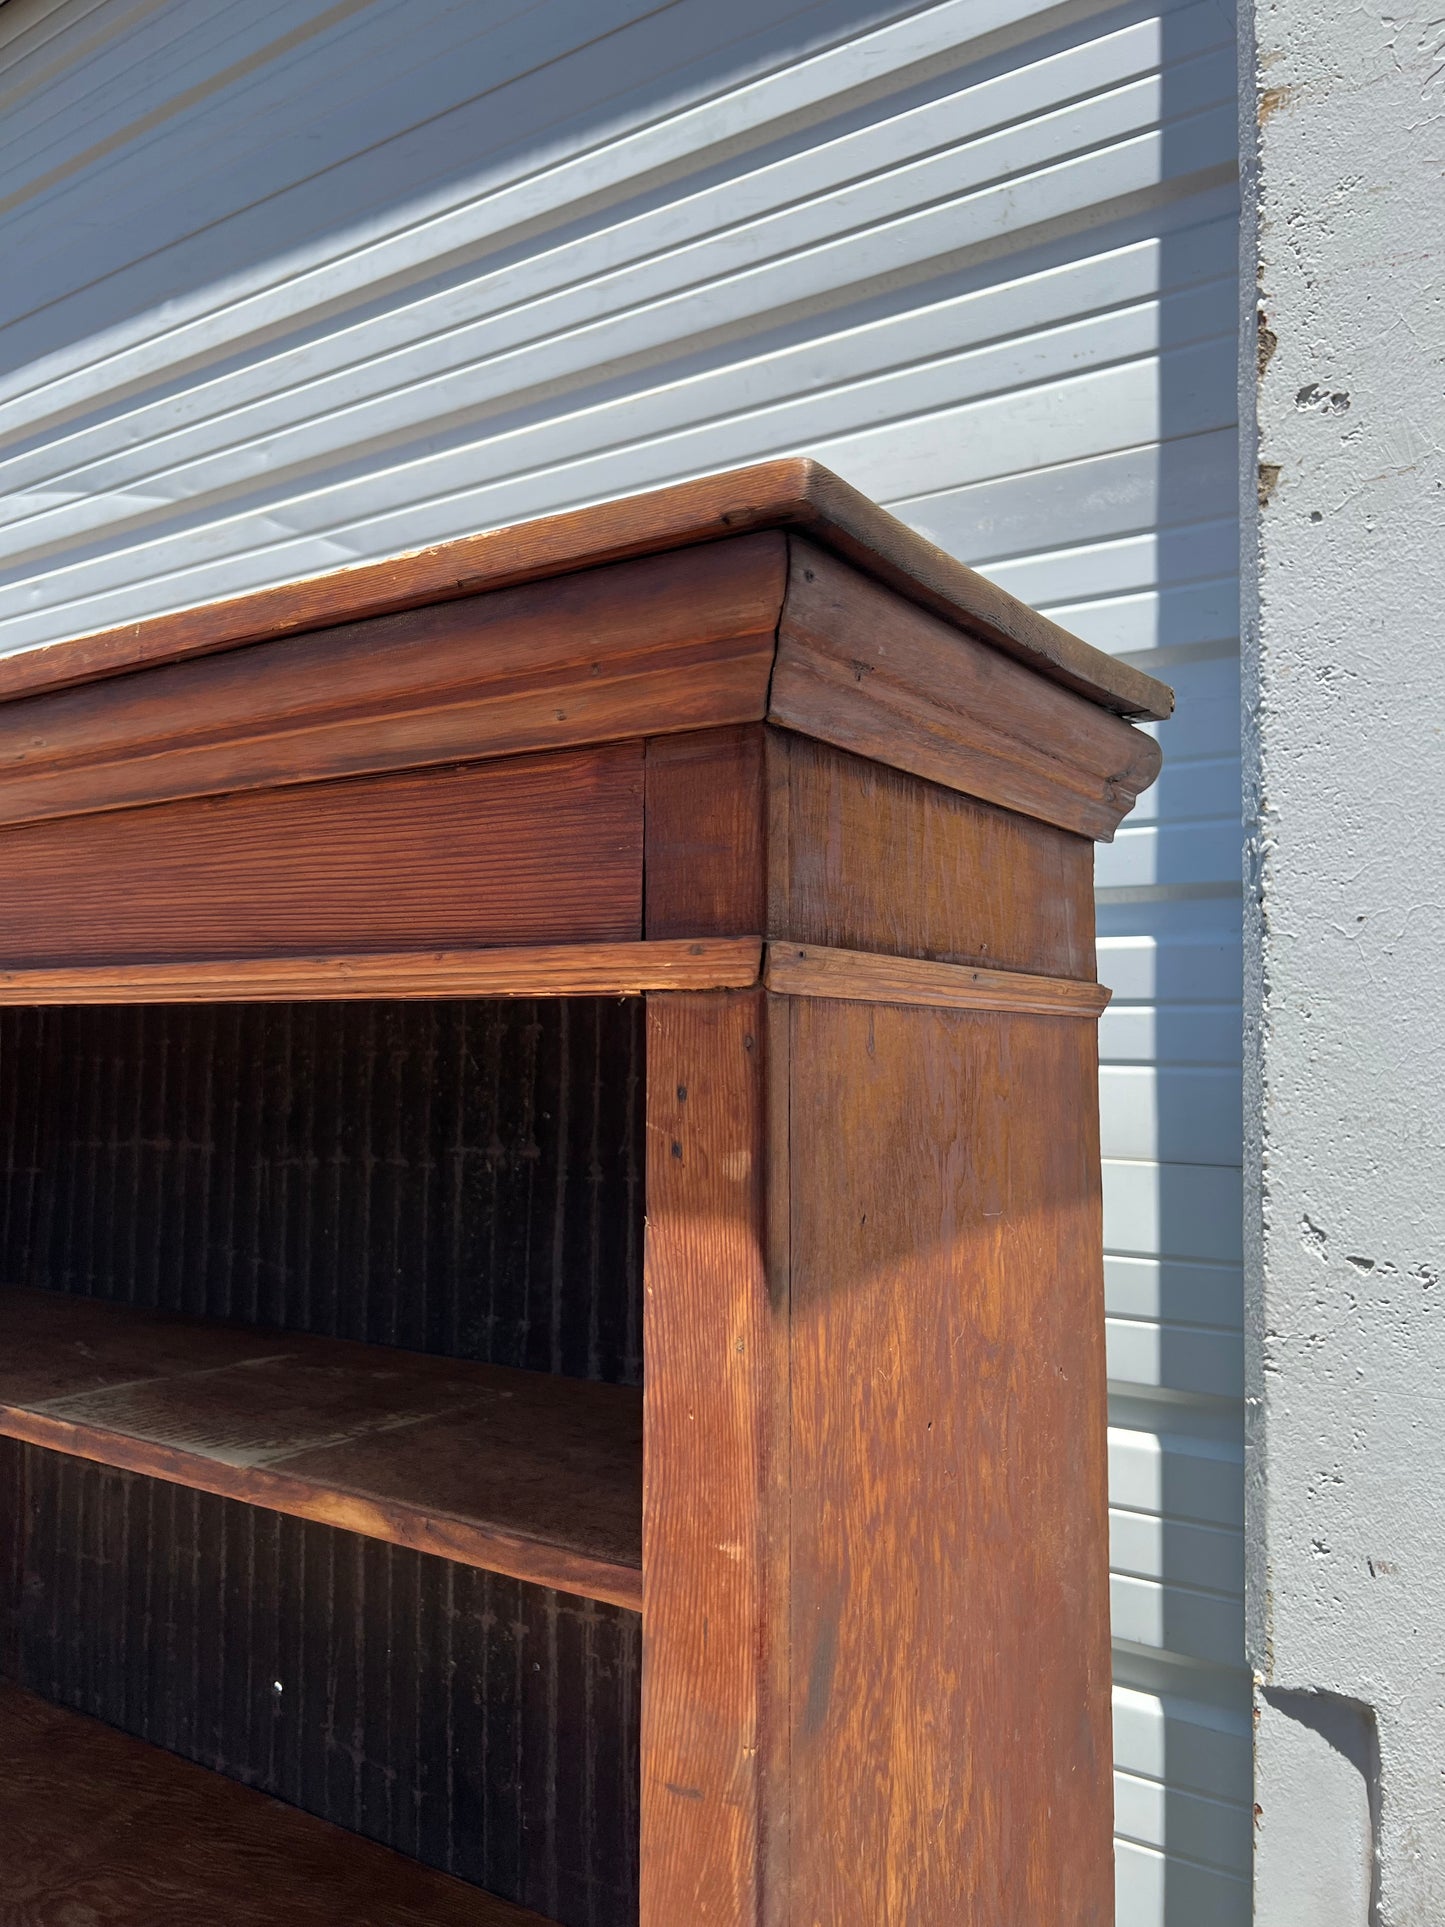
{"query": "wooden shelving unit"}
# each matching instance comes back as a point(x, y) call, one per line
point(550, 1234)
point(522, 1473)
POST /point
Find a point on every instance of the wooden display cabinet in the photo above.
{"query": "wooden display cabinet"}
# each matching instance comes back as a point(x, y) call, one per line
point(551, 1365)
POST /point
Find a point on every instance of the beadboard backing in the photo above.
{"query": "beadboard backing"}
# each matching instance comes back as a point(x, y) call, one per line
point(461, 1177)
point(486, 1727)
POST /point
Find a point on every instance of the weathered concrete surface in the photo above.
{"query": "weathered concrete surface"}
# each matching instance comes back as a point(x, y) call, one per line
point(1347, 1110)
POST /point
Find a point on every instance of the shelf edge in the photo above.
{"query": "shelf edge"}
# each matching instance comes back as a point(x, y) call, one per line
point(464, 1541)
point(538, 970)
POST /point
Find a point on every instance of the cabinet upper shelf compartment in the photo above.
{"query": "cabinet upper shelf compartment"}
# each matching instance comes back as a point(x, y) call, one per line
point(519, 1472)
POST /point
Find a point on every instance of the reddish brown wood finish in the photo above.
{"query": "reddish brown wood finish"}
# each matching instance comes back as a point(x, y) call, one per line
point(864, 977)
point(517, 970)
point(98, 1828)
point(523, 851)
point(760, 829)
point(789, 494)
point(673, 641)
point(873, 1518)
point(715, 1657)
point(707, 852)
point(861, 670)
point(522, 1473)
point(880, 861)
point(949, 1610)
point(875, 1390)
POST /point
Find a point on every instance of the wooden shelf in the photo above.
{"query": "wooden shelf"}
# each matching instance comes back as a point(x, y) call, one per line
point(518, 1472)
point(98, 1826)
point(508, 970)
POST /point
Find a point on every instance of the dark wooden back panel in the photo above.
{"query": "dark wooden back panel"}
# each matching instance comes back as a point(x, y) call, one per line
point(483, 1726)
point(461, 1177)
point(12, 1551)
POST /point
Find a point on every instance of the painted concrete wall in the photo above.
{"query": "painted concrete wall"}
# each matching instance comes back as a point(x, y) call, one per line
point(1346, 1349)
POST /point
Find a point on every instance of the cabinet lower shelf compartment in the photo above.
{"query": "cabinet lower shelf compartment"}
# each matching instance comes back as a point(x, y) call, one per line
point(96, 1825)
point(521, 1473)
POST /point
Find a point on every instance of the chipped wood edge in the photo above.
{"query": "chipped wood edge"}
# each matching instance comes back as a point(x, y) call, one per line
point(540, 970)
point(858, 976)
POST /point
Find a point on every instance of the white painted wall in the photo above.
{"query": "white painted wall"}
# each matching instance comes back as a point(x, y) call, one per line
point(1347, 944)
point(291, 284)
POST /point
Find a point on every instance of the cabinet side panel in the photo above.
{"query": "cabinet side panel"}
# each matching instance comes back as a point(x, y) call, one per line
point(713, 1810)
point(880, 860)
point(531, 849)
point(950, 1660)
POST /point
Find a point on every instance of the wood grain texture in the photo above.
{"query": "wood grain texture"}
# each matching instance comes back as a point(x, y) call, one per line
point(669, 642)
point(758, 829)
point(706, 864)
point(714, 1804)
point(858, 976)
point(521, 1473)
point(877, 859)
point(537, 970)
point(950, 1693)
point(789, 494)
point(526, 850)
point(863, 670)
point(98, 1827)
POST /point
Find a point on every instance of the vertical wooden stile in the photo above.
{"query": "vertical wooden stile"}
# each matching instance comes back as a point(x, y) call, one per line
point(714, 1799)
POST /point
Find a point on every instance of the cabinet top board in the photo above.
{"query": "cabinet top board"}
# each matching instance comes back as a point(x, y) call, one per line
point(793, 495)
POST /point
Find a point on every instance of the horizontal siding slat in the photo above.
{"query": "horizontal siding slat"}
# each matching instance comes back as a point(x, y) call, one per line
point(1190, 1744)
point(1179, 1115)
point(1155, 1886)
point(1177, 1619)
point(1154, 1288)
point(1170, 1034)
point(1202, 1557)
point(1217, 1831)
point(1177, 1210)
point(1164, 970)
point(1175, 1358)
point(1169, 1473)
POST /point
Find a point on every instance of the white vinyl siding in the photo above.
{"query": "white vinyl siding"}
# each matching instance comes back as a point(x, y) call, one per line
point(291, 285)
